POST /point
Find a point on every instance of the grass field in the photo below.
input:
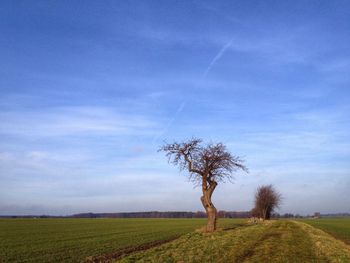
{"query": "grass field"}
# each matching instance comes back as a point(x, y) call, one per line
point(276, 241)
point(338, 227)
point(72, 240)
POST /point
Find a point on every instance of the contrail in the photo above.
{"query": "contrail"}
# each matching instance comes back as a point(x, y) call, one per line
point(178, 111)
point(182, 105)
point(217, 57)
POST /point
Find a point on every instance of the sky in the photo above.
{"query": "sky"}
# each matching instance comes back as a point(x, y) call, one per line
point(91, 89)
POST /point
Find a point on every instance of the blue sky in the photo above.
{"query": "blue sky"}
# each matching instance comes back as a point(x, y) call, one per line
point(91, 89)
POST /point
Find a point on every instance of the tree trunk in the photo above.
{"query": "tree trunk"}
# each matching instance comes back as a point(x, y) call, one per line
point(264, 213)
point(212, 215)
point(209, 207)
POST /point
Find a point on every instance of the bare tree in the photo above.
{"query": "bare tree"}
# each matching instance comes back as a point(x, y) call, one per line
point(255, 212)
point(207, 165)
point(267, 199)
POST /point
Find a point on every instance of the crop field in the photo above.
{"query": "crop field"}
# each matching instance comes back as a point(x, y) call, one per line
point(73, 240)
point(338, 227)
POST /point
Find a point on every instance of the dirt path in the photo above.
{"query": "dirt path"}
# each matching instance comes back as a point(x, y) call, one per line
point(276, 241)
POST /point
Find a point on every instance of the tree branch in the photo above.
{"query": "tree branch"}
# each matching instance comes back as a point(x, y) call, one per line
point(190, 165)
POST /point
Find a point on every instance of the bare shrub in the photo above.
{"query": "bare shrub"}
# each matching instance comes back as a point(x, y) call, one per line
point(267, 199)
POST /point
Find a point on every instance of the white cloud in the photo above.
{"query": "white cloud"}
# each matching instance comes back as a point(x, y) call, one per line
point(74, 121)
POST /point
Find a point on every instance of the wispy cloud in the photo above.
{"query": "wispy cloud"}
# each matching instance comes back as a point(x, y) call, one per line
point(74, 121)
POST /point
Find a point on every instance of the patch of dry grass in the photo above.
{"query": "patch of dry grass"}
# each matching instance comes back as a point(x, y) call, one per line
point(337, 227)
point(274, 241)
point(325, 245)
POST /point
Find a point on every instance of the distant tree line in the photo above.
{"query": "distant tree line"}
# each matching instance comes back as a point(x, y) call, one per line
point(157, 214)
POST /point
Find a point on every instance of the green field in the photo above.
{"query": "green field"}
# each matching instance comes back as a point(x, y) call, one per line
point(72, 240)
point(338, 227)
